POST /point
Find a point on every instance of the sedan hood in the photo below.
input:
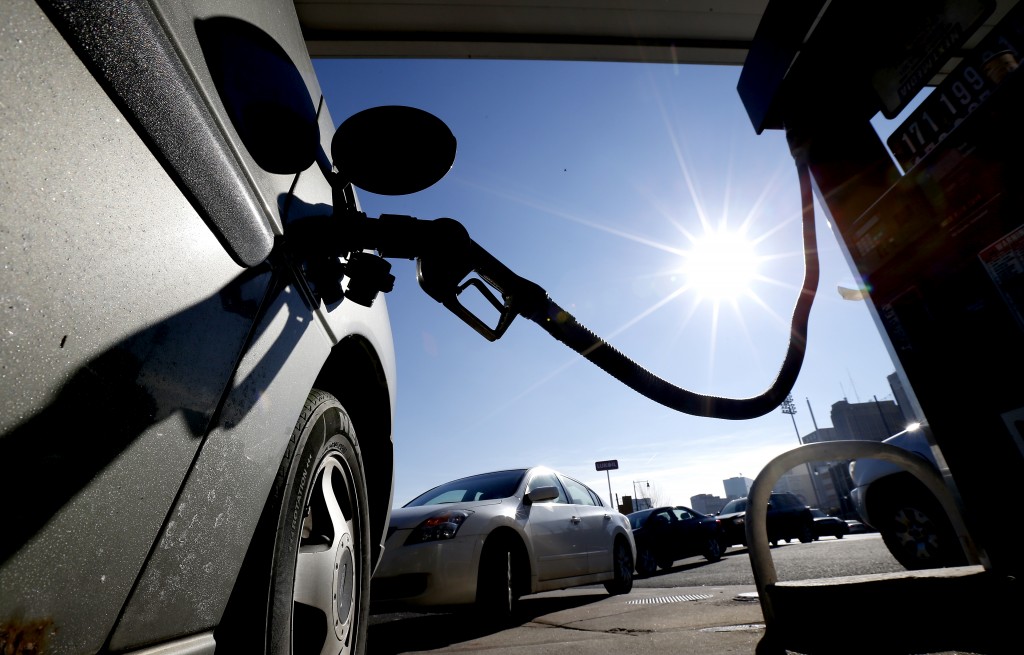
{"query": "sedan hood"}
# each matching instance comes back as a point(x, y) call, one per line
point(407, 518)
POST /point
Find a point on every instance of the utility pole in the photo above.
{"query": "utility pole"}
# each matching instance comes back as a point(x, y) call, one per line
point(635, 487)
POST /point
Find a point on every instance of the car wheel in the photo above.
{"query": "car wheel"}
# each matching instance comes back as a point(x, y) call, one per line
point(665, 564)
point(919, 535)
point(498, 588)
point(839, 535)
point(645, 564)
point(806, 535)
point(320, 577)
point(622, 569)
point(713, 549)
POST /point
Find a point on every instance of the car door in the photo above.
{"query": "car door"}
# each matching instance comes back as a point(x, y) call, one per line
point(596, 536)
point(687, 533)
point(555, 530)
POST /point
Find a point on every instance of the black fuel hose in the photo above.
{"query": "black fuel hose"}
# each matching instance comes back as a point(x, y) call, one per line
point(446, 256)
point(564, 327)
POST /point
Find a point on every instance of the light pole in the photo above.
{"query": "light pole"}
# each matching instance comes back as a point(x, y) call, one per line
point(789, 407)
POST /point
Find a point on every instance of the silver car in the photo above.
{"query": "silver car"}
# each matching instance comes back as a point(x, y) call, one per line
point(488, 539)
point(913, 525)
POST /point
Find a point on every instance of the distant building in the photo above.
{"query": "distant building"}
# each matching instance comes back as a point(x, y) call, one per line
point(707, 503)
point(736, 487)
point(827, 484)
point(903, 400)
point(819, 435)
point(797, 482)
point(871, 421)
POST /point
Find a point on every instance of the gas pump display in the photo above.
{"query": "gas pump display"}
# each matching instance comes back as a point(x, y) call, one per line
point(961, 92)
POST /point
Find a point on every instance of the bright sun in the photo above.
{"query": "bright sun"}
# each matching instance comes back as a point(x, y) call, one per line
point(720, 265)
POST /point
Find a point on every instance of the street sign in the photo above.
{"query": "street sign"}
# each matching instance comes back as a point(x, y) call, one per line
point(607, 465)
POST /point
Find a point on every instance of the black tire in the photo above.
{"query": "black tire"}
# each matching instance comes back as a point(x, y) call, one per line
point(622, 569)
point(645, 562)
point(320, 579)
point(918, 533)
point(665, 564)
point(498, 583)
point(713, 549)
point(839, 535)
point(806, 535)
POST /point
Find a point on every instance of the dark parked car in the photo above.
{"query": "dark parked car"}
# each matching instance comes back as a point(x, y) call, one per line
point(788, 518)
point(666, 534)
point(828, 526)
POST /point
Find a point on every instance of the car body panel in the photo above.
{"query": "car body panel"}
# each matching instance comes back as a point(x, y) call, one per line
point(596, 529)
point(828, 526)
point(560, 540)
point(555, 535)
point(785, 519)
point(152, 381)
point(866, 471)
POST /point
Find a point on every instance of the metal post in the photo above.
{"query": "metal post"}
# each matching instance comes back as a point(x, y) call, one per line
point(609, 476)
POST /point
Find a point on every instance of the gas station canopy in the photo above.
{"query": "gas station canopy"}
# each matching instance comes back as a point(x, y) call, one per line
point(652, 31)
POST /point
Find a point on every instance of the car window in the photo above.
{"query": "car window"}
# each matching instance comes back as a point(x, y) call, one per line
point(738, 505)
point(548, 480)
point(781, 501)
point(500, 484)
point(597, 499)
point(578, 492)
point(661, 517)
point(637, 519)
point(682, 513)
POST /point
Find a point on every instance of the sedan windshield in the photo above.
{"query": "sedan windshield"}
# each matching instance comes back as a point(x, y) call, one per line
point(636, 519)
point(487, 486)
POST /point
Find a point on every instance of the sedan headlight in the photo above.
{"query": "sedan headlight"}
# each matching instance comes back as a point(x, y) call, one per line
point(438, 527)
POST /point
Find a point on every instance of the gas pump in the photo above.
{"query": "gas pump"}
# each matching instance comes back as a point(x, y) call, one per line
point(938, 245)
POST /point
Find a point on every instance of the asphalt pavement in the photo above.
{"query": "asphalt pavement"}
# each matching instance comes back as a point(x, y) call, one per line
point(587, 621)
point(646, 621)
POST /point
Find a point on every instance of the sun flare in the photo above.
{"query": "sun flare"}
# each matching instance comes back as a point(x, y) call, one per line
point(720, 265)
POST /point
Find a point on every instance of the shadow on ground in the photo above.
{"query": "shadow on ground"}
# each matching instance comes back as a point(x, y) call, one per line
point(392, 633)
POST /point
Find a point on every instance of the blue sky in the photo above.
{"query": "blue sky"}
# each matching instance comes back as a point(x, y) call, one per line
point(594, 180)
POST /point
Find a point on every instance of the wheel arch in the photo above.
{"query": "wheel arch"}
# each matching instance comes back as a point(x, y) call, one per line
point(354, 374)
point(630, 543)
point(506, 534)
point(886, 489)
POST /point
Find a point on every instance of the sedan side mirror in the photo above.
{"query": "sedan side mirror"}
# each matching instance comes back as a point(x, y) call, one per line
point(540, 494)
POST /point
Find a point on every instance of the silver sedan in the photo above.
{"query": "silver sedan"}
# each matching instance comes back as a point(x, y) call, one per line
point(486, 540)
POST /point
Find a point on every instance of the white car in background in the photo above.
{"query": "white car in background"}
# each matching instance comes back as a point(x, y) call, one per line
point(486, 540)
point(913, 525)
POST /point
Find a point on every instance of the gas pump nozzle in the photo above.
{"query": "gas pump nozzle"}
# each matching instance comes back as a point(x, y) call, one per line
point(446, 261)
